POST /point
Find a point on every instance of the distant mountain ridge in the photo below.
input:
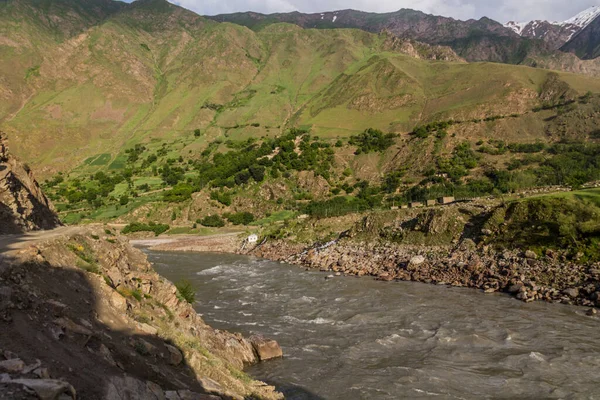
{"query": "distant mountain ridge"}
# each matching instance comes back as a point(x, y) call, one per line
point(475, 40)
point(556, 33)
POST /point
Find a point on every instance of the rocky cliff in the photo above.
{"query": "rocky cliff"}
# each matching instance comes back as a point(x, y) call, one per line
point(23, 206)
point(85, 315)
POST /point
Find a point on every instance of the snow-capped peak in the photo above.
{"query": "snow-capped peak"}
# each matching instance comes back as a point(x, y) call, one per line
point(584, 18)
point(516, 26)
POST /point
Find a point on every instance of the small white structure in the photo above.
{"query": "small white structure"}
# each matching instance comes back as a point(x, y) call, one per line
point(252, 239)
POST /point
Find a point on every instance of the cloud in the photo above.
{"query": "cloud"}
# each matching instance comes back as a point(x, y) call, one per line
point(500, 10)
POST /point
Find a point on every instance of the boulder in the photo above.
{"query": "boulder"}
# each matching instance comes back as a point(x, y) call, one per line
point(12, 366)
point(265, 349)
point(571, 292)
point(175, 355)
point(117, 300)
point(172, 395)
point(516, 288)
point(69, 325)
point(531, 255)
point(416, 260)
point(47, 389)
point(130, 388)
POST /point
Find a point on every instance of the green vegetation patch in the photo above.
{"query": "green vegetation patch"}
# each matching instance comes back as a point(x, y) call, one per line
point(102, 159)
point(141, 227)
point(565, 221)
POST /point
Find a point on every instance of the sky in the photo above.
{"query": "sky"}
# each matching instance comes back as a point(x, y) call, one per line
point(499, 10)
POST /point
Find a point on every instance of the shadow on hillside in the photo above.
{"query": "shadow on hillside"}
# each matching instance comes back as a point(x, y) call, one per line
point(52, 314)
point(7, 223)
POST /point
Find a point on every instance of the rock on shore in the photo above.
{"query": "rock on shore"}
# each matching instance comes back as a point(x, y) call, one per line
point(526, 277)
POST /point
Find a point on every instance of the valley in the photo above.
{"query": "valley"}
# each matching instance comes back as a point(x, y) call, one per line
point(376, 152)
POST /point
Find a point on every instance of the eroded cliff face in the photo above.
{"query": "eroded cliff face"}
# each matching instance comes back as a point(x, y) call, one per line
point(23, 205)
point(90, 314)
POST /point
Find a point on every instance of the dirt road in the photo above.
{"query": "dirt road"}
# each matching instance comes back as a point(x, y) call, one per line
point(9, 243)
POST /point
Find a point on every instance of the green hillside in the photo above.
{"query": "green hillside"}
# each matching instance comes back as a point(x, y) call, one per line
point(149, 95)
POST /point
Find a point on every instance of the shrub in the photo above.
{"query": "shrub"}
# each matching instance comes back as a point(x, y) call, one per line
point(242, 177)
point(141, 227)
point(212, 221)
point(186, 291)
point(242, 218)
point(181, 192)
point(526, 147)
point(221, 197)
point(372, 140)
point(336, 206)
point(257, 172)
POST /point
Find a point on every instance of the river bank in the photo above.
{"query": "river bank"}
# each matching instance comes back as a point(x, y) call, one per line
point(84, 314)
point(524, 275)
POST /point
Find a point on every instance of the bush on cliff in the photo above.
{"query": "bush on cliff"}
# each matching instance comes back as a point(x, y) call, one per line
point(186, 291)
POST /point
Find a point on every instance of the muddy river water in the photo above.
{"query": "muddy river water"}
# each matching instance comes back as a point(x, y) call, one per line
point(355, 338)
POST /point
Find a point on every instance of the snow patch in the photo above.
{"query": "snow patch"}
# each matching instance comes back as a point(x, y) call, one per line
point(517, 26)
point(584, 18)
point(334, 18)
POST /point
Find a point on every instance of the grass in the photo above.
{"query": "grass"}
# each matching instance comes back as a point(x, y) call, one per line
point(131, 293)
point(277, 216)
point(102, 159)
point(591, 195)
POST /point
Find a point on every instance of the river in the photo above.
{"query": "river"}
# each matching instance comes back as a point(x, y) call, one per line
point(356, 338)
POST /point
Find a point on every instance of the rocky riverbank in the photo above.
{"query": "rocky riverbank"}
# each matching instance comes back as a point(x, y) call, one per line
point(85, 315)
point(524, 275)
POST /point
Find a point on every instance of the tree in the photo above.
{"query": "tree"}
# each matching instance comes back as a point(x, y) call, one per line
point(257, 172)
point(124, 200)
point(197, 132)
point(242, 177)
point(212, 221)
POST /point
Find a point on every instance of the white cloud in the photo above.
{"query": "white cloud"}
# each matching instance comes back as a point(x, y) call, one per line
point(500, 10)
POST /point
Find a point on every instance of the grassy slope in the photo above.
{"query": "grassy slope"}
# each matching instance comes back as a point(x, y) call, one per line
point(148, 72)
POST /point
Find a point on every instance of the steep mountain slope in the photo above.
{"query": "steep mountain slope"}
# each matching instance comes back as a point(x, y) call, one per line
point(155, 71)
point(586, 43)
point(30, 29)
point(23, 206)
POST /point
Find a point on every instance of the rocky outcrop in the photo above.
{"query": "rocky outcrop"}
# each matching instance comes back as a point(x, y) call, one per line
point(23, 206)
point(91, 308)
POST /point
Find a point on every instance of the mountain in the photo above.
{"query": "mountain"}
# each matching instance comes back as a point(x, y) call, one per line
point(154, 112)
point(586, 43)
point(536, 43)
point(23, 205)
point(469, 38)
point(555, 33)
